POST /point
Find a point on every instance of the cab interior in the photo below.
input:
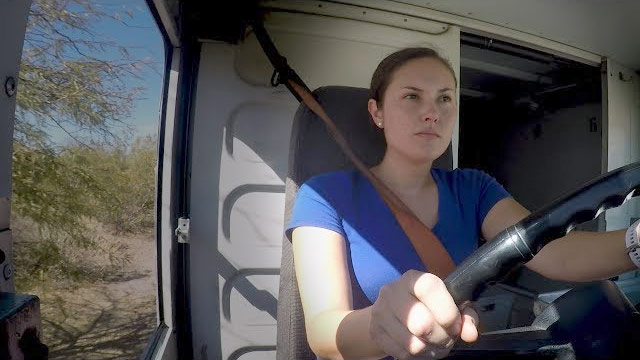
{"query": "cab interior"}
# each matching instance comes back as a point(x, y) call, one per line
point(549, 99)
point(534, 113)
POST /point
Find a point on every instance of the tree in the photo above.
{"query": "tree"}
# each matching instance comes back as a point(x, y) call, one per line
point(70, 78)
point(74, 81)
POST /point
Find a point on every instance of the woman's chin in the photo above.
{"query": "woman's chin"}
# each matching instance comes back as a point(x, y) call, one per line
point(423, 159)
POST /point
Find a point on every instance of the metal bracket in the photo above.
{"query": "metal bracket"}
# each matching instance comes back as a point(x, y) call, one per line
point(183, 230)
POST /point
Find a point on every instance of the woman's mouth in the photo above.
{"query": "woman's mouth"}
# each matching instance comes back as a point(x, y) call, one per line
point(428, 134)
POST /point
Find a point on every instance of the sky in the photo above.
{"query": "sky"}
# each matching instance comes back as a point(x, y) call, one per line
point(147, 37)
point(144, 41)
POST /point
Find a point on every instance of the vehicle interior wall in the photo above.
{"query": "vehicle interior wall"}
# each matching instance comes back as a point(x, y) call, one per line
point(239, 155)
point(538, 158)
point(541, 125)
point(13, 22)
point(553, 154)
point(532, 120)
point(241, 128)
point(622, 130)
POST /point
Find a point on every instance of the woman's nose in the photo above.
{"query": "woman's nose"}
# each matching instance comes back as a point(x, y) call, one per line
point(430, 111)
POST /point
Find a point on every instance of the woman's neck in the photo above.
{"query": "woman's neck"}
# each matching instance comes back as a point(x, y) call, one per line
point(403, 176)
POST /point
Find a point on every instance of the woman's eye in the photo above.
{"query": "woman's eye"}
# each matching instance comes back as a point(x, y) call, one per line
point(446, 98)
point(411, 96)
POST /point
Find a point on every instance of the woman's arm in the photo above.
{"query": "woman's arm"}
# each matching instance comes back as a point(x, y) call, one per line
point(413, 315)
point(334, 329)
point(579, 256)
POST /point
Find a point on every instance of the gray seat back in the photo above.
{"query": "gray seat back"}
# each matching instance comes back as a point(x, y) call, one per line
point(313, 151)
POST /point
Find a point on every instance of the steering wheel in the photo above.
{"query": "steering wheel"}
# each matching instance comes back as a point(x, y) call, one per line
point(592, 322)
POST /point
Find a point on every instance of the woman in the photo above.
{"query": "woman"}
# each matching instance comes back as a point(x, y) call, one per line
point(340, 226)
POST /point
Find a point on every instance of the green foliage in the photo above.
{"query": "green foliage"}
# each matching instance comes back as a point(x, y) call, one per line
point(62, 196)
point(55, 194)
point(71, 78)
point(74, 80)
point(125, 179)
point(41, 258)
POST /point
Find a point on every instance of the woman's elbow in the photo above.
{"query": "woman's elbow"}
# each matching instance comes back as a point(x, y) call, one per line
point(321, 332)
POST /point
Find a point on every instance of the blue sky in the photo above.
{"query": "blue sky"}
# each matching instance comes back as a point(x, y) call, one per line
point(146, 42)
point(141, 36)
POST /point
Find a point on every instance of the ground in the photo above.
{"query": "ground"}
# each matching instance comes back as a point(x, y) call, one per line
point(103, 319)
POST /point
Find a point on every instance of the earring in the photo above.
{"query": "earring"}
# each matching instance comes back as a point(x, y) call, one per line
point(380, 124)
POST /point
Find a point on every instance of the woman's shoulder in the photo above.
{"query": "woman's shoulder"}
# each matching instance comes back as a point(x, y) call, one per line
point(467, 184)
point(321, 201)
point(332, 178)
point(331, 182)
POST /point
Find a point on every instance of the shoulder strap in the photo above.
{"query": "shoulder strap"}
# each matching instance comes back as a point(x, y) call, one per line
point(429, 248)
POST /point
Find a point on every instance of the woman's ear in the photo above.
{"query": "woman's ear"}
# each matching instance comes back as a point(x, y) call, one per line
point(376, 113)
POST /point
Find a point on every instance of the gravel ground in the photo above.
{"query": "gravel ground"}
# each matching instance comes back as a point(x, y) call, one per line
point(105, 319)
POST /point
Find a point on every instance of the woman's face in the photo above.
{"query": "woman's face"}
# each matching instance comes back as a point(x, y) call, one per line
point(418, 110)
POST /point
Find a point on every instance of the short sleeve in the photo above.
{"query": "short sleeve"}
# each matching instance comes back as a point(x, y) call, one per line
point(490, 192)
point(313, 208)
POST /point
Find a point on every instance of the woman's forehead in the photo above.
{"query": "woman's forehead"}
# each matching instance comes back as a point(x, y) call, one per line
point(424, 72)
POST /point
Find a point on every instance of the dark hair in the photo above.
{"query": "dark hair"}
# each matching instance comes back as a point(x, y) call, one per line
point(382, 76)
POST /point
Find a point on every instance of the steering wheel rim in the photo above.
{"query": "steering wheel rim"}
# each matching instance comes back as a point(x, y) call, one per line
point(519, 243)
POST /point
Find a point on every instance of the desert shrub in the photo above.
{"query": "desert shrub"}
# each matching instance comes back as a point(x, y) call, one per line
point(126, 176)
point(64, 202)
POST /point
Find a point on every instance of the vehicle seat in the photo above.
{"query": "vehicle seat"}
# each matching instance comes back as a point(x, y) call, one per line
point(313, 151)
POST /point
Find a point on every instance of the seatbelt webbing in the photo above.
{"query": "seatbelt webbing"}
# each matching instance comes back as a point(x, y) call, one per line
point(432, 253)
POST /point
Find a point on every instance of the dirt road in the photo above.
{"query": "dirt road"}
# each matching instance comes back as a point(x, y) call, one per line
point(107, 319)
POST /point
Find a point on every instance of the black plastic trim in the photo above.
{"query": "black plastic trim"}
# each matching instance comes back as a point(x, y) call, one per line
point(189, 66)
point(154, 341)
point(168, 53)
point(156, 16)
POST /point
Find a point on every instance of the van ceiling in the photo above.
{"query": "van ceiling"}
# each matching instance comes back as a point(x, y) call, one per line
point(491, 68)
point(606, 28)
point(211, 20)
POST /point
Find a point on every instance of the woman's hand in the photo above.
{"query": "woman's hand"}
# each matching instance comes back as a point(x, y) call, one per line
point(416, 315)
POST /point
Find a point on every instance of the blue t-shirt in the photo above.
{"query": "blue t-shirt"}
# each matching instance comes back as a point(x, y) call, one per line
point(347, 203)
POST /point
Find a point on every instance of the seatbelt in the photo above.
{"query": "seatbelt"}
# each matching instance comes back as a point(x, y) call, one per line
point(432, 253)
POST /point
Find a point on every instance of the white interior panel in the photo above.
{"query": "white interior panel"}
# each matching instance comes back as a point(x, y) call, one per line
point(331, 51)
point(468, 22)
point(241, 131)
point(244, 324)
point(256, 224)
point(583, 28)
point(623, 116)
point(593, 25)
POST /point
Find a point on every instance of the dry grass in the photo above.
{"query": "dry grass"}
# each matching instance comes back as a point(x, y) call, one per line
point(109, 318)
